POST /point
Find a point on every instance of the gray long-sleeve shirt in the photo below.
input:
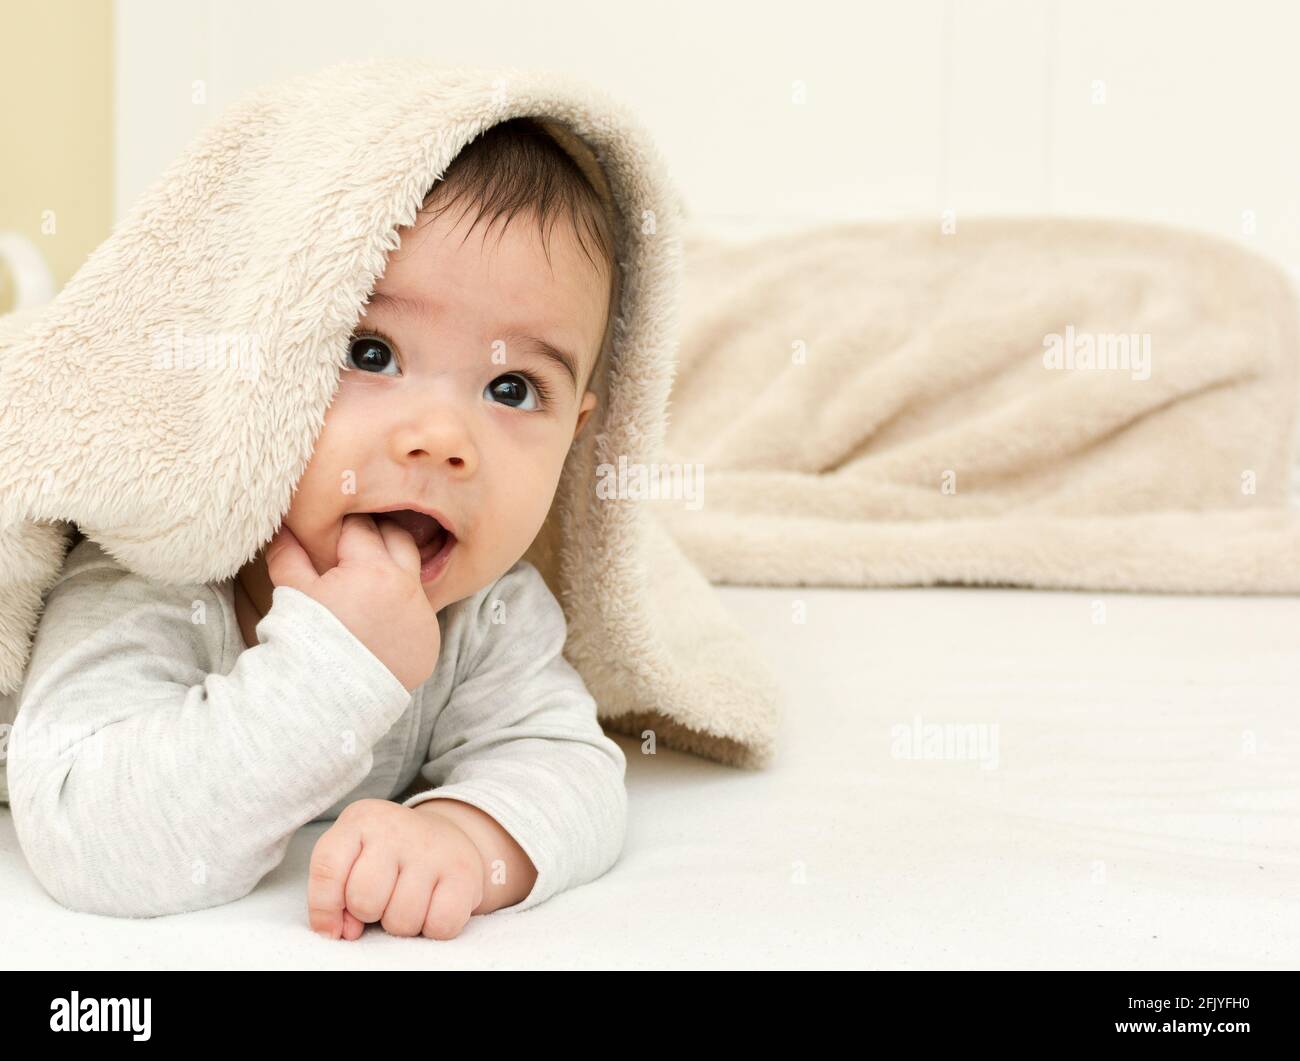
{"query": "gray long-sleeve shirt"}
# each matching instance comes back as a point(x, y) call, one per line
point(157, 765)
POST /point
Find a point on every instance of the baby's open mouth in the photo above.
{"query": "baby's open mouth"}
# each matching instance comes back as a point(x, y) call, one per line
point(433, 540)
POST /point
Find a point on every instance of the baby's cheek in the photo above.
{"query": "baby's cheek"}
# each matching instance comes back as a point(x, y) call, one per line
point(333, 476)
point(542, 482)
point(316, 494)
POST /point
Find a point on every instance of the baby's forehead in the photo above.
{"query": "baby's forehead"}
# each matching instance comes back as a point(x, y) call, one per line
point(446, 259)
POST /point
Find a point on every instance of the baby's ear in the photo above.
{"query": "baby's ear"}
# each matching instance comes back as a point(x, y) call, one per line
point(589, 401)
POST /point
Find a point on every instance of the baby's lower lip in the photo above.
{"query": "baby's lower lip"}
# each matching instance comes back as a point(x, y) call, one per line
point(435, 557)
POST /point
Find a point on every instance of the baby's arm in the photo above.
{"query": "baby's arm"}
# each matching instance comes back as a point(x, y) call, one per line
point(519, 740)
point(527, 800)
point(142, 785)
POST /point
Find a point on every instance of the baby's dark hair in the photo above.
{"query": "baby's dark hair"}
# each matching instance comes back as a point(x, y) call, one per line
point(517, 166)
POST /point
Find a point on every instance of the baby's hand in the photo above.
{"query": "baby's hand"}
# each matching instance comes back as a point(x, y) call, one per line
point(418, 873)
point(375, 590)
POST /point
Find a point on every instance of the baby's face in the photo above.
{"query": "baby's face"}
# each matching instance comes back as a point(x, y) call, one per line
point(439, 405)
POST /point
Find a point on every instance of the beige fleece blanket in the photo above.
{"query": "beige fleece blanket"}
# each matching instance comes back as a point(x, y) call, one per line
point(1033, 402)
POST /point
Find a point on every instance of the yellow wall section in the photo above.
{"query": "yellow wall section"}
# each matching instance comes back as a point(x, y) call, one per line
point(56, 128)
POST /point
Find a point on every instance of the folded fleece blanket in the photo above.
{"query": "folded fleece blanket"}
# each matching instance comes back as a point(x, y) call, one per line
point(275, 223)
point(1078, 404)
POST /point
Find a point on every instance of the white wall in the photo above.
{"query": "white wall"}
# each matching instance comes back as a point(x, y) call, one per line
point(1171, 111)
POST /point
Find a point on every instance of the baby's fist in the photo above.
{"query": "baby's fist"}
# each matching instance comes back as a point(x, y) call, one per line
point(416, 873)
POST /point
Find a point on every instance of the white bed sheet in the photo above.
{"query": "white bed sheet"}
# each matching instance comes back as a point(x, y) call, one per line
point(1143, 811)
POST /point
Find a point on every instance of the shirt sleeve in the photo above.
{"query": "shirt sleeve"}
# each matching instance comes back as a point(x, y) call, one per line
point(141, 785)
point(520, 740)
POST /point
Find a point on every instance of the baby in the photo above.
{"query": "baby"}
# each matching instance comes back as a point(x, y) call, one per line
point(389, 642)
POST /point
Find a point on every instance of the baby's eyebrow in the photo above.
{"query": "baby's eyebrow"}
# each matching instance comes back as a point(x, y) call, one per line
point(419, 307)
point(561, 357)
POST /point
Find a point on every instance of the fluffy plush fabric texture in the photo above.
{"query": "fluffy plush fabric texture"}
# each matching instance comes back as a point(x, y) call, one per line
point(269, 231)
point(876, 404)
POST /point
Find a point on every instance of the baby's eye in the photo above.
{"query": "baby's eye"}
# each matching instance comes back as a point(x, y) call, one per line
point(513, 389)
point(369, 353)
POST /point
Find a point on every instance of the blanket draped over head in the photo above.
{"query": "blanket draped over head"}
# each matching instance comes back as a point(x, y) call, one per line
point(166, 402)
